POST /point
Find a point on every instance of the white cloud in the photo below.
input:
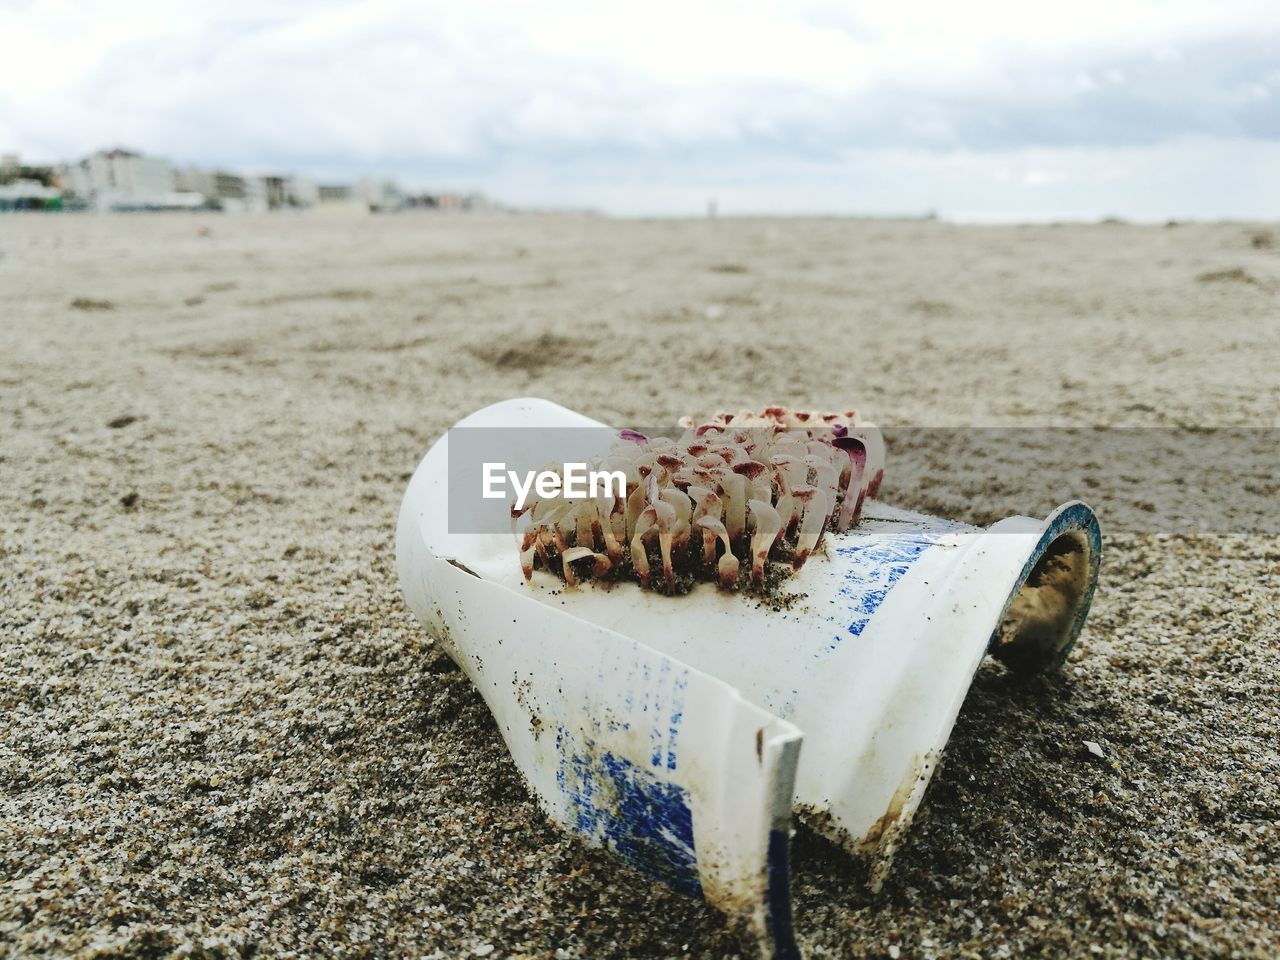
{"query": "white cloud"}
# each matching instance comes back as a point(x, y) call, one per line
point(497, 92)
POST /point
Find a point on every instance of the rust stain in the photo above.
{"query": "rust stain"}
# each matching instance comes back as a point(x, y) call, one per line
point(873, 851)
point(893, 813)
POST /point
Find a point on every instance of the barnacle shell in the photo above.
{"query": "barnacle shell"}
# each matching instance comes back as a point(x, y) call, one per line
point(733, 494)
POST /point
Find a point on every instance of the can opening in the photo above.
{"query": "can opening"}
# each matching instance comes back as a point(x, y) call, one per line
point(1042, 620)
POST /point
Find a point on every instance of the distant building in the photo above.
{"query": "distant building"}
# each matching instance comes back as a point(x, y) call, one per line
point(120, 171)
point(339, 199)
point(220, 189)
point(270, 192)
point(277, 192)
point(380, 195)
point(228, 186)
point(122, 179)
point(13, 170)
point(126, 180)
point(448, 201)
point(301, 192)
point(193, 180)
point(29, 195)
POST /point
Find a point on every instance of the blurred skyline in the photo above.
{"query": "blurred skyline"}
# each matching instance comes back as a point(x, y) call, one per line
point(991, 110)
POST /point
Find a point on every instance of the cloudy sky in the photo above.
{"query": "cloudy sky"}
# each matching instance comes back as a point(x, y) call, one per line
point(987, 109)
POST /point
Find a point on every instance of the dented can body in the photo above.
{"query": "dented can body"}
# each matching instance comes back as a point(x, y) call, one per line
point(669, 729)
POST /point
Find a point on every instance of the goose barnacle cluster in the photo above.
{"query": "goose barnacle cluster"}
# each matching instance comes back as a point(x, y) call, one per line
point(733, 497)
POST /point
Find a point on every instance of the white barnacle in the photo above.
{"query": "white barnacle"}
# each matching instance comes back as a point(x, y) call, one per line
point(646, 522)
point(733, 488)
point(706, 503)
point(767, 524)
point(600, 566)
point(603, 522)
point(851, 503)
point(727, 568)
point(814, 523)
point(665, 519)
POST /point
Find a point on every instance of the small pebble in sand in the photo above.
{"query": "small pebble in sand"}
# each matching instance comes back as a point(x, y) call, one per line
point(1094, 748)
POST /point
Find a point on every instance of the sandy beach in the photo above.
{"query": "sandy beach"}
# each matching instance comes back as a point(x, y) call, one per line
point(223, 734)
